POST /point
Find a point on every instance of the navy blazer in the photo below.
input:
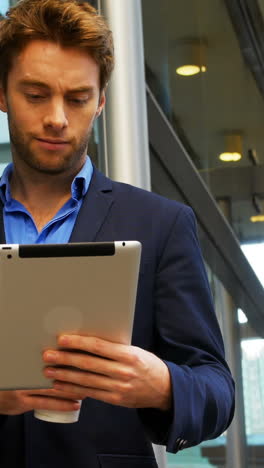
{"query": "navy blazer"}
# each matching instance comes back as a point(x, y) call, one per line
point(174, 318)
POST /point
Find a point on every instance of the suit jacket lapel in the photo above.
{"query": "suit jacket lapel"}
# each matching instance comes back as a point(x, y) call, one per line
point(94, 210)
point(2, 229)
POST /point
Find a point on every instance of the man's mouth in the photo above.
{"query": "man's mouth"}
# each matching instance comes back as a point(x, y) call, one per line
point(52, 144)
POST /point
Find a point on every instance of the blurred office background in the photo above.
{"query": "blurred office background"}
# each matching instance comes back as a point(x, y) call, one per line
point(204, 100)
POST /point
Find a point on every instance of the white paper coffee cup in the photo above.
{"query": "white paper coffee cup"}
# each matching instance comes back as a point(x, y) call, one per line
point(63, 417)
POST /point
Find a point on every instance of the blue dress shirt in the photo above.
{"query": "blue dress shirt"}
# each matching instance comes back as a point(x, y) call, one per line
point(19, 225)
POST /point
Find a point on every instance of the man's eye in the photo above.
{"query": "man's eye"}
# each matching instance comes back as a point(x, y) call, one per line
point(78, 102)
point(35, 97)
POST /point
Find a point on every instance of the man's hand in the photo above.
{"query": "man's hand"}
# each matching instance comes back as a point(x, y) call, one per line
point(20, 401)
point(114, 373)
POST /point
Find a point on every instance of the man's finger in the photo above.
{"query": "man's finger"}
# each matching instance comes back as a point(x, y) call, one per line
point(96, 346)
point(74, 360)
point(54, 393)
point(51, 403)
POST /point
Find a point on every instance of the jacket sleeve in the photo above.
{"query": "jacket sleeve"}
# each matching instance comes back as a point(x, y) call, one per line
point(2, 420)
point(190, 343)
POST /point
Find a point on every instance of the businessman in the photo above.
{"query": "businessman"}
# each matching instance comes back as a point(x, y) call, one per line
point(172, 386)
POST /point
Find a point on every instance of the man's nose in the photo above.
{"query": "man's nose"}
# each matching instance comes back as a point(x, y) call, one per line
point(56, 117)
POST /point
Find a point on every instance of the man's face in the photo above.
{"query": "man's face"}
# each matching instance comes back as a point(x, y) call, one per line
point(52, 99)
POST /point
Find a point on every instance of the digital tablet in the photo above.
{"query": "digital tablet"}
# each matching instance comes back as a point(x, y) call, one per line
point(48, 289)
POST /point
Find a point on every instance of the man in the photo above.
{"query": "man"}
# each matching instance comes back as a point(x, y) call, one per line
point(172, 386)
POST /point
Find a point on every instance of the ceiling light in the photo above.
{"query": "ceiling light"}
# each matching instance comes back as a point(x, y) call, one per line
point(190, 57)
point(257, 219)
point(188, 70)
point(233, 148)
point(229, 157)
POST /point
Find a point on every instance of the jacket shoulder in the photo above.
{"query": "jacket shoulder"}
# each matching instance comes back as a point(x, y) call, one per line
point(131, 194)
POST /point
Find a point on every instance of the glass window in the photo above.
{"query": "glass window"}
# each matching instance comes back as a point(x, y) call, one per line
point(5, 156)
point(253, 367)
point(209, 90)
point(4, 6)
point(216, 106)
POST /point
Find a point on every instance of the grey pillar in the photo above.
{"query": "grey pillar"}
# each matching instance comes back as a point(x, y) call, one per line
point(236, 434)
point(126, 150)
point(236, 437)
point(124, 130)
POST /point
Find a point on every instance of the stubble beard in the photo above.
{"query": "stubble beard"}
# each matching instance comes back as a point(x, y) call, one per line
point(66, 162)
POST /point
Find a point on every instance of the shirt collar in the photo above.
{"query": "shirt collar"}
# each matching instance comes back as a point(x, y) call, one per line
point(79, 186)
point(5, 193)
point(81, 182)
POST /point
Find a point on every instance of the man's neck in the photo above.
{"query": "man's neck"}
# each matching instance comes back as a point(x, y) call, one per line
point(41, 194)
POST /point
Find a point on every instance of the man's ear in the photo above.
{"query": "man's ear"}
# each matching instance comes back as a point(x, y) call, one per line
point(3, 103)
point(101, 104)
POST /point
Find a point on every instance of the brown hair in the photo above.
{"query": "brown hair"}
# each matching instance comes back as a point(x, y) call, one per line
point(70, 23)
